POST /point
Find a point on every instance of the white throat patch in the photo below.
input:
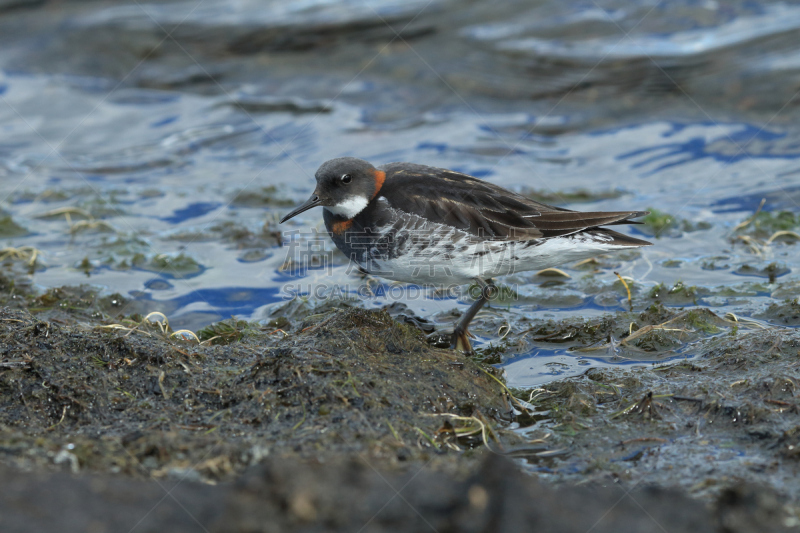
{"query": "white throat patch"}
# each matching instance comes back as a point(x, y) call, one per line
point(350, 207)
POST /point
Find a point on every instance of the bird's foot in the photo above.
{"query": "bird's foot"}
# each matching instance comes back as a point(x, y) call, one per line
point(460, 341)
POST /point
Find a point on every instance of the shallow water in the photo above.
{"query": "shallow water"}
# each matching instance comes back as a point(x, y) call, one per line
point(164, 123)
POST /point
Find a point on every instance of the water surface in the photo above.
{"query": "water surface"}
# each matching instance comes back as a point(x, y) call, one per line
point(149, 149)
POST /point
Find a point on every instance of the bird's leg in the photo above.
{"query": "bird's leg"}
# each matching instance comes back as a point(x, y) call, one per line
point(460, 339)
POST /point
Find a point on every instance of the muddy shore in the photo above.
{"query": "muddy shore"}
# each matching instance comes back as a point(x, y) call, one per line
point(307, 423)
point(149, 149)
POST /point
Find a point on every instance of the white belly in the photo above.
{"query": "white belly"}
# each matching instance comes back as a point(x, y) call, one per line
point(458, 261)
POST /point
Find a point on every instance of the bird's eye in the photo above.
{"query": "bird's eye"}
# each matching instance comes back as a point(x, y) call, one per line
point(347, 178)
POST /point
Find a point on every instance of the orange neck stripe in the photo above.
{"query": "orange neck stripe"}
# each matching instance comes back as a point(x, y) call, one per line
point(340, 227)
point(380, 177)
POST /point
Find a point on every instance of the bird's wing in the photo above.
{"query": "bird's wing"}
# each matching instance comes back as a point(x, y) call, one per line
point(482, 208)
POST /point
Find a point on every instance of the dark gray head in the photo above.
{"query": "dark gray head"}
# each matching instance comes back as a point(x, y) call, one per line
point(344, 187)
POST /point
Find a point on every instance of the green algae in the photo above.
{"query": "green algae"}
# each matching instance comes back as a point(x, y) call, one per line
point(657, 222)
point(679, 293)
point(785, 290)
point(767, 223)
point(10, 229)
point(771, 271)
point(703, 320)
point(786, 313)
point(227, 331)
point(119, 252)
point(102, 207)
point(579, 196)
point(62, 303)
point(690, 227)
point(178, 266)
point(662, 224)
point(674, 332)
point(716, 263)
point(233, 234)
point(52, 195)
point(268, 196)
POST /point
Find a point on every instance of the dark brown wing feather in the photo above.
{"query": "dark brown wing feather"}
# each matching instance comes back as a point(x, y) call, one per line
point(482, 208)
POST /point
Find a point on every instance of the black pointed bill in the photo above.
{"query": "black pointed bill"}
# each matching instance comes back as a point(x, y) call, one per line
point(314, 201)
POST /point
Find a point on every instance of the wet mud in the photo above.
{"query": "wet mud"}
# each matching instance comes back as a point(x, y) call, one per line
point(135, 398)
point(726, 417)
point(308, 422)
point(349, 495)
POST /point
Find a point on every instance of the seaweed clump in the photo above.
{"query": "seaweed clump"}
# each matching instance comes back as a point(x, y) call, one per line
point(786, 313)
point(267, 196)
point(765, 224)
point(661, 224)
point(9, 228)
point(343, 382)
point(678, 294)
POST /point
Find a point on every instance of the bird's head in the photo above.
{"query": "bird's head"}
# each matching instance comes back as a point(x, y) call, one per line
point(345, 186)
